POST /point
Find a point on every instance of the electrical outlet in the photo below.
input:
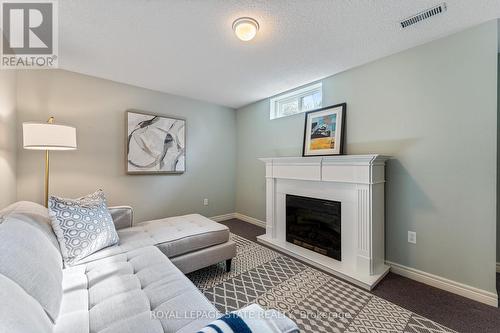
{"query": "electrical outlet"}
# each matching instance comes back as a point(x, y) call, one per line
point(412, 237)
point(205, 202)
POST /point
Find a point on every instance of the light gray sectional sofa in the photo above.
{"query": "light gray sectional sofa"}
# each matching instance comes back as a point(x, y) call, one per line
point(129, 288)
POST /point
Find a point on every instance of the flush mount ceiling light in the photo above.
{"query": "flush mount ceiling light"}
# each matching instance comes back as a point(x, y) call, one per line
point(245, 28)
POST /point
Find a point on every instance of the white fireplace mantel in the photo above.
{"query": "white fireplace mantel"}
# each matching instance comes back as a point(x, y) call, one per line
point(357, 181)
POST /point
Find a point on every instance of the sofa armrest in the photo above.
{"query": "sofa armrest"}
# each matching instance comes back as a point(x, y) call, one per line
point(123, 216)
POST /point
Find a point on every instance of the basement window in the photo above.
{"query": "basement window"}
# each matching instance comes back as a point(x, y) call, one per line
point(301, 100)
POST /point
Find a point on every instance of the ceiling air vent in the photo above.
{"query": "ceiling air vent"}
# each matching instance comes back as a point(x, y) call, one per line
point(436, 10)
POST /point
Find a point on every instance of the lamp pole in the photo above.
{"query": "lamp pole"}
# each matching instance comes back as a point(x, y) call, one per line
point(46, 201)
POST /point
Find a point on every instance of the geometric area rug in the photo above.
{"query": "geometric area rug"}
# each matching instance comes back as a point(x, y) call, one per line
point(316, 301)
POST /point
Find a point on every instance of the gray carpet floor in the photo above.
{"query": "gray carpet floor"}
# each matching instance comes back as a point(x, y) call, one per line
point(316, 301)
point(450, 310)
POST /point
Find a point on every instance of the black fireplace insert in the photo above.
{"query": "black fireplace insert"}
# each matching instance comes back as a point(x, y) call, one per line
point(314, 224)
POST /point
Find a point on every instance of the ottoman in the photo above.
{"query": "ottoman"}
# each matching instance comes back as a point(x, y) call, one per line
point(190, 241)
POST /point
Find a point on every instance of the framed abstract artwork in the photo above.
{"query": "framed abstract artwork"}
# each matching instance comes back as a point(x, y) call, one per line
point(324, 131)
point(155, 144)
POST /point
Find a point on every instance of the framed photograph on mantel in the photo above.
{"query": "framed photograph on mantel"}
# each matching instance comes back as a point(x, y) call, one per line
point(156, 144)
point(324, 131)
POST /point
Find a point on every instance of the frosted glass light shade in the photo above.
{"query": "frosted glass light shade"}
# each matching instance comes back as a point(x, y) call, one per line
point(245, 28)
point(44, 136)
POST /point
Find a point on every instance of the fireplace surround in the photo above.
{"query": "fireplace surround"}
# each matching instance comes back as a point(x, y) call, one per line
point(356, 182)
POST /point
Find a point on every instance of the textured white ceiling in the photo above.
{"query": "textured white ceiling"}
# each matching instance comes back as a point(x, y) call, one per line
point(187, 47)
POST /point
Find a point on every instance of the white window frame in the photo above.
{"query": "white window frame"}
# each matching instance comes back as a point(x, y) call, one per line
point(295, 95)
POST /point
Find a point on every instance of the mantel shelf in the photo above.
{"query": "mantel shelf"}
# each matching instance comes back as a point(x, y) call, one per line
point(368, 159)
point(359, 169)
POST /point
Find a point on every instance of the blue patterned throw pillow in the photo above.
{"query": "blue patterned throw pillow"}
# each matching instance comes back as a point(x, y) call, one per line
point(82, 226)
point(252, 319)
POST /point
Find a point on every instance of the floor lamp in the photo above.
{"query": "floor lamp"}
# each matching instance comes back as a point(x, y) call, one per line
point(48, 136)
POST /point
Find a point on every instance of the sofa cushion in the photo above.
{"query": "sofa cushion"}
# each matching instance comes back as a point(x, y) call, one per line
point(174, 236)
point(83, 226)
point(129, 239)
point(28, 258)
point(34, 214)
point(19, 312)
point(135, 291)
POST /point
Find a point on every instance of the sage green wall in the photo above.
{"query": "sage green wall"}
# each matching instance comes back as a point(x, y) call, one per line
point(498, 155)
point(434, 109)
point(97, 108)
point(8, 144)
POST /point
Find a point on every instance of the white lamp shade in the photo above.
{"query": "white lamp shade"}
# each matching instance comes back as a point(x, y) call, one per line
point(45, 136)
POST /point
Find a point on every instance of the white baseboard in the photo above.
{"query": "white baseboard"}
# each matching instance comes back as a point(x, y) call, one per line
point(251, 220)
point(498, 267)
point(224, 217)
point(239, 216)
point(458, 288)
